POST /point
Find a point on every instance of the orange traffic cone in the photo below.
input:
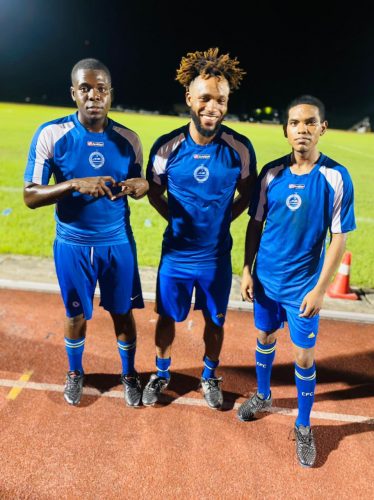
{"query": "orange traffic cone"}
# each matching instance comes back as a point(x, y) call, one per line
point(339, 288)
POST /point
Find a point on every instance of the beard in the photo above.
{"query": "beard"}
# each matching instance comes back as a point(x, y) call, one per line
point(199, 127)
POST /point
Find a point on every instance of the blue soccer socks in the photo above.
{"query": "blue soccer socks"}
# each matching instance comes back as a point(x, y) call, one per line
point(265, 355)
point(163, 365)
point(74, 350)
point(127, 352)
point(305, 379)
point(209, 368)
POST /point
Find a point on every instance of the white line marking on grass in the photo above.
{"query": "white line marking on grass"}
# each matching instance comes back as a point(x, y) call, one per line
point(355, 151)
point(365, 219)
point(8, 189)
point(90, 391)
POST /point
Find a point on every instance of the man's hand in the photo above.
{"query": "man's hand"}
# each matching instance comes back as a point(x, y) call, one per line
point(94, 186)
point(136, 188)
point(246, 288)
point(311, 304)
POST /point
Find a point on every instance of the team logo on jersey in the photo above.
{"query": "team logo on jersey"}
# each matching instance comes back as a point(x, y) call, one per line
point(201, 157)
point(95, 144)
point(201, 173)
point(96, 159)
point(293, 202)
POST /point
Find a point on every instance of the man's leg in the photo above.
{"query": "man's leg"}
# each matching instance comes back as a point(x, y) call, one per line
point(173, 302)
point(125, 330)
point(158, 382)
point(75, 337)
point(304, 333)
point(77, 279)
point(210, 384)
point(269, 317)
point(213, 286)
point(164, 338)
point(305, 378)
point(264, 356)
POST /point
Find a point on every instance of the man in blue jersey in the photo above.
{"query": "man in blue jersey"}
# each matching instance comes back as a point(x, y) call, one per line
point(95, 163)
point(199, 165)
point(301, 196)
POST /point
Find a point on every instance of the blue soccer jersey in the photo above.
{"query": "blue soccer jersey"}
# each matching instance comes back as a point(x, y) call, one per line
point(65, 149)
point(201, 183)
point(299, 210)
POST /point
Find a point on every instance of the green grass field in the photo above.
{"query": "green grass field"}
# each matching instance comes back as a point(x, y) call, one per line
point(31, 232)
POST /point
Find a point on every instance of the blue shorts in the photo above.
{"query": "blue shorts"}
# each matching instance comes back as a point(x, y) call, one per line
point(114, 267)
point(271, 315)
point(175, 284)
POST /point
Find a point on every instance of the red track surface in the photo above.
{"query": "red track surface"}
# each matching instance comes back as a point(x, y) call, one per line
point(102, 449)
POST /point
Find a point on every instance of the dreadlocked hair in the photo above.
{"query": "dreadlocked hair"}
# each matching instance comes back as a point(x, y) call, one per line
point(207, 64)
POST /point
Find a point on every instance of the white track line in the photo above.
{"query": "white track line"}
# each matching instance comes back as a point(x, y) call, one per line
point(90, 391)
point(236, 305)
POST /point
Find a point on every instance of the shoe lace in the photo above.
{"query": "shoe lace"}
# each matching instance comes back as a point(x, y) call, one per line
point(73, 383)
point(213, 384)
point(132, 381)
point(156, 384)
point(304, 438)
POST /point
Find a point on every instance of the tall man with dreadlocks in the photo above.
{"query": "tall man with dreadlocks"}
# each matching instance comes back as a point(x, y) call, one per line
point(199, 165)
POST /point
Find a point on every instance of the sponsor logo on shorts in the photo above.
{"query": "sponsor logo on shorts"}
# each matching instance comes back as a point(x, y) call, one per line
point(220, 315)
point(75, 303)
point(293, 202)
point(307, 394)
point(96, 159)
point(133, 298)
point(95, 144)
point(311, 335)
point(201, 157)
point(201, 173)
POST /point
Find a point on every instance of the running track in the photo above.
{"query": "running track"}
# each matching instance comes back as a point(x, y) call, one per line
point(181, 449)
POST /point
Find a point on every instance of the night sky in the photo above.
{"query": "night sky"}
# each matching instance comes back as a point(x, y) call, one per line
point(287, 50)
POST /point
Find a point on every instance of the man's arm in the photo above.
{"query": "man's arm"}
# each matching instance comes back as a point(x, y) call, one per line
point(158, 199)
point(252, 242)
point(37, 195)
point(242, 199)
point(312, 302)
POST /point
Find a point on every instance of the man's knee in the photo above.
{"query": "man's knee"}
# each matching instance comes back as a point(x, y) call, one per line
point(266, 338)
point(304, 358)
point(75, 320)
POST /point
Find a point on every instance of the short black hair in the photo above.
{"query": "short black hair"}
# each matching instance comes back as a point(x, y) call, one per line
point(90, 63)
point(307, 99)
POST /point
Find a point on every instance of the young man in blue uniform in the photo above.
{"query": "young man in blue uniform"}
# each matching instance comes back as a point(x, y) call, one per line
point(199, 165)
point(301, 196)
point(95, 163)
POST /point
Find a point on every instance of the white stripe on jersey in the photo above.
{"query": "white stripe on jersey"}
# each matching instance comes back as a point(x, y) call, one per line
point(162, 156)
point(134, 140)
point(335, 179)
point(45, 146)
point(270, 175)
point(243, 152)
